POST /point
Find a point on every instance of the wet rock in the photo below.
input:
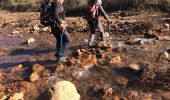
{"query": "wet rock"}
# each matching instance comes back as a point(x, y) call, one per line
point(121, 80)
point(166, 96)
point(166, 26)
point(108, 92)
point(106, 35)
point(70, 62)
point(100, 54)
point(45, 73)
point(163, 56)
point(134, 67)
point(16, 69)
point(89, 60)
point(164, 38)
point(36, 28)
point(132, 95)
point(30, 40)
point(37, 68)
point(15, 32)
point(34, 77)
point(46, 29)
point(115, 60)
point(78, 54)
point(17, 96)
point(58, 68)
point(62, 90)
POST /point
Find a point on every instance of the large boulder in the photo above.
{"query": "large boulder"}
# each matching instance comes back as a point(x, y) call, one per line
point(62, 90)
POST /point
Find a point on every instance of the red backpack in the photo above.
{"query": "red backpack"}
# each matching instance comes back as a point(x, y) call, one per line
point(93, 11)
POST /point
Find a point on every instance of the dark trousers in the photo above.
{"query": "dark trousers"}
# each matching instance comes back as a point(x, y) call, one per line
point(62, 41)
point(93, 25)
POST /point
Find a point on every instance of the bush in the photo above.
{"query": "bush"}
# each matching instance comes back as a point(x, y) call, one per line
point(70, 5)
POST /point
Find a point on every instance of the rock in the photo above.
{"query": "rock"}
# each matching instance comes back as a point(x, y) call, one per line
point(166, 26)
point(79, 54)
point(24, 84)
point(37, 68)
point(123, 98)
point(2, 88)
point(70, 62)
point(108, 92)
point(36, 28)
point(100, 54)
point(166, 96)
point(134, 67)
point(30, 40)
point(3, 97)
point(17, 96)
point(106, 35)
point(132, 95)
point(116, 98)
point(34, 77)
point(121, 80)
point(163, 56)
point(60, 68)
point(164, 38)
point(115, 60)
point(62, 90)
point(46, 29)
point(45, 73)
point(15, 32)
point(16, 69)
point(1, 75)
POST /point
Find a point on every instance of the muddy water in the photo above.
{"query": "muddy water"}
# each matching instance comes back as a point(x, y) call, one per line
point(15, 52)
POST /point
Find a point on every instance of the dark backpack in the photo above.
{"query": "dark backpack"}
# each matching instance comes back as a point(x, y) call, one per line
point(46, 14)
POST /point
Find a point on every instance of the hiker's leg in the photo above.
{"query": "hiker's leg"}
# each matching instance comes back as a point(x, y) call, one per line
point(92, 33)
point(60, 51)
point(101, 30)
point(66, 40)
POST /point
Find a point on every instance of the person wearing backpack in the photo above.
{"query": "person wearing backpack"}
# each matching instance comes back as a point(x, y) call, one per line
point(56, 20)
point(94, 10)
point(59, 30)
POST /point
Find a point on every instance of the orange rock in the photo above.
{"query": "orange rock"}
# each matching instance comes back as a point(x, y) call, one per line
point(93, 60)
point(70, 62)
point(115, 60)
point(123, 98)
point(115, 98)
point(18, 68)
point(166, 96)
point(37, 68)
point(60, 68)
point(108, 91)
point(24, 84)
point(34, 77)
point(45, 73)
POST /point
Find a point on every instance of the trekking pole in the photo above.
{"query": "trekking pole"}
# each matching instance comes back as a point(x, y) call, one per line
point(59, 63)
point(109, 33)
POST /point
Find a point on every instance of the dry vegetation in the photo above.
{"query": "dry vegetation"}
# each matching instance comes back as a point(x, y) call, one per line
point(33, 5)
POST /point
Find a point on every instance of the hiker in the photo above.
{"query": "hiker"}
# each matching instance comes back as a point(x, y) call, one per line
point(58, 28)
point(94, 10)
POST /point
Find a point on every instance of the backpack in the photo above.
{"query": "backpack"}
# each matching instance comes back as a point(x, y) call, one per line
point(93, 11)
point(46, 14)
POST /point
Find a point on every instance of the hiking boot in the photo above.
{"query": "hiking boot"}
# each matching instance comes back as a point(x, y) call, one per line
point(90, 44)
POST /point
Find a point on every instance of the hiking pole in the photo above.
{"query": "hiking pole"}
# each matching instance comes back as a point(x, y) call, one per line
point(109, 31)
point(59, 63)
